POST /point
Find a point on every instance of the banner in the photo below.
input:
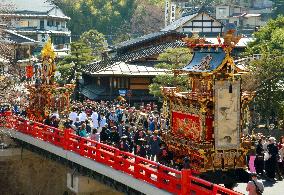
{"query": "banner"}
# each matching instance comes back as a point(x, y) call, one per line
point(173, 12)
point(29, 71)
point(186, 125)
point(167, 10)
point(227, 114)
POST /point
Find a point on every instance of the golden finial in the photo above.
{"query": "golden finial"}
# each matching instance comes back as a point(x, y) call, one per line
point(47, 51)
point(231, 40)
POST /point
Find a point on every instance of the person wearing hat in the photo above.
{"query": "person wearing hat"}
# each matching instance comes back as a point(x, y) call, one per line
point(255, 187)
point(272, 162)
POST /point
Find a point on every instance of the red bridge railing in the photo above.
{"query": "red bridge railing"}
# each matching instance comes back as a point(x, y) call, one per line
point(166, 178)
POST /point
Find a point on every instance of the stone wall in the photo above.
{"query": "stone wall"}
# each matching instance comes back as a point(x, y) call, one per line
point(28, 173)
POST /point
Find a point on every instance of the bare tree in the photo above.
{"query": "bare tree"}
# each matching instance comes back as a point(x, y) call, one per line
point(7, 55)
point(147, 17)
point(5, 50)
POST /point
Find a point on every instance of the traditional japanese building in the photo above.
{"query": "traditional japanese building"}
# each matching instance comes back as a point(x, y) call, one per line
point(198, 21)
point(40, 20)
point(129, 67)
point(16, 49)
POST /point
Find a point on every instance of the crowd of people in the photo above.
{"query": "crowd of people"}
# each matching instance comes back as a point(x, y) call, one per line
point(268, 162)
point(137, 130)
point(269, 157)
point(131, 129)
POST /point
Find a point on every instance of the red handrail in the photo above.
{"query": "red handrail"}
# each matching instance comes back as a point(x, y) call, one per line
point(163, 177)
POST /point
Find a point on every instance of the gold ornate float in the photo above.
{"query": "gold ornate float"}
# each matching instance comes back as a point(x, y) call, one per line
point(47, 96)
point(206, 120)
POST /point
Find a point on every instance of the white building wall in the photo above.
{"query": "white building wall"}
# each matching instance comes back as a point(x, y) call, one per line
point(222, 12)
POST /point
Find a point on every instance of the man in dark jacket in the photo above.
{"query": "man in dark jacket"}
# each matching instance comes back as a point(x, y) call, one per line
point(104, 135)
point(114, 136)
point(259, 159)
point(271, 163)
point(154, 144)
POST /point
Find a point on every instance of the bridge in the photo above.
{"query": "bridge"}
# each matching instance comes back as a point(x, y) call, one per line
point(138, 173)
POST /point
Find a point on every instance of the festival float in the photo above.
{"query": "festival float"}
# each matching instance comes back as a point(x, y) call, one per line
point(46, 96)
point(206, 121)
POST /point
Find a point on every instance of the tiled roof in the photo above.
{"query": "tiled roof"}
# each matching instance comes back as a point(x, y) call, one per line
point(92, 91)
point(189, 16)
point(148, 37)
point(54, 32)
point(31, 6)
point(32, 9)
point(205, 60)
point(178, 23)
point(122, 68)
point(132, 56)
point(15, 38)
point(33, 15)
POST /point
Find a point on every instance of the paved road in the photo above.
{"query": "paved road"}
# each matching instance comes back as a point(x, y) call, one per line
point(276, 188)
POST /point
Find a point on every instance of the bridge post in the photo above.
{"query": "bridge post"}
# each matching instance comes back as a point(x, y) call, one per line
point(136, 167)
point(116, 164)
point(66, 139)
point(82, 146)
point(8, 116)
point(24, 128)
point(185, 181)
point(35, 130)
point(215, 190)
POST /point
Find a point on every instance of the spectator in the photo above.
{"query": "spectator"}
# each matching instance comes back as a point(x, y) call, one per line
point(151, 124)
point(88, 127)
point(82, 130)
point(255, 187)
point(164, 157)
point(259, 159)
point(73, 115)
point(95, 119)
point(271, 163)
point(114, 136)
point(95, 135)
point(281, 155)
point(123, 145)
point(104, 135)
point(77, 123)
point(82, 116)
point(140, 151)
point(103, 121)
point(154, 144)
point(186, 163)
